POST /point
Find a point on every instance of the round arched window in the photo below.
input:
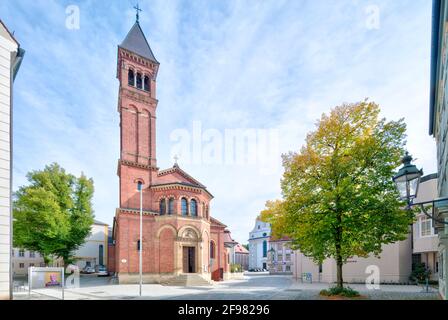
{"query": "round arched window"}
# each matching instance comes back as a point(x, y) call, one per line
point(184, 206)
point(171, 206)
point(162, 207)
point(193, 208)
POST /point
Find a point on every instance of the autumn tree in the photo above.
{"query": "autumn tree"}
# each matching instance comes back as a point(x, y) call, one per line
point(53, 214)
point(339, 199)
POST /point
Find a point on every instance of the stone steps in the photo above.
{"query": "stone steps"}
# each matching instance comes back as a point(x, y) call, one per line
point(187, 280)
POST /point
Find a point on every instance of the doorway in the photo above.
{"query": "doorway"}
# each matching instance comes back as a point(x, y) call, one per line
point(189, 259)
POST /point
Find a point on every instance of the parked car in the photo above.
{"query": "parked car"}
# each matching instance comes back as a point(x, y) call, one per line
point(88, 270)
point(102, 271)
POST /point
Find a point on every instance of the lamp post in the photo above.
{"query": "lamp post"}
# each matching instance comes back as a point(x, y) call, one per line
point(140, 247)
point(407, 181)
point(272, 253)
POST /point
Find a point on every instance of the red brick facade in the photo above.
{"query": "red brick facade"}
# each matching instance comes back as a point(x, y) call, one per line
point(175, 240)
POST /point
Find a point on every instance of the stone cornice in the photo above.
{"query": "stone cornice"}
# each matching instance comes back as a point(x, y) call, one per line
point(180, 239)
point(139, 97)
point(137, 211)
point(137, 165)
point(179, 186)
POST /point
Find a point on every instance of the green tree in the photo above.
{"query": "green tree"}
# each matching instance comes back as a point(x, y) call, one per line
point(339, 199)
point(53, 214)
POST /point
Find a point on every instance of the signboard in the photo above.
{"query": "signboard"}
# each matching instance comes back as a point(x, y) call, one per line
point(45, 278)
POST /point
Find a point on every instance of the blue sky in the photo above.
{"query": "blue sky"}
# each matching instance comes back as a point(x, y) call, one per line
point(227, 64)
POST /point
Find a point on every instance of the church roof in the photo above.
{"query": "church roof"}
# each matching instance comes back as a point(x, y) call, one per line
point(217, 223)
point(136, 42)
point(240, 249)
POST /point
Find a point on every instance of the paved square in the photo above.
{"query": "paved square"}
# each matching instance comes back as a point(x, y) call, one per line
point(253, 287)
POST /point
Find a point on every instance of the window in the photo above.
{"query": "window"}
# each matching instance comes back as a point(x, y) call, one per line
point(171, 206)
point(416, 259)
point(42, 264)
point(138, 245)
point(184, 206)
point(441, 274)
point(13, 252)
point(100, 254)
point(32, 254)
point(288, 257)
point(193, 208)
point(146, 83)
point(264, 234)
point(162, 207)
point(320, 268)
point(426, 228)
point(31, 264)
point(139, 81)
point(21, 253)
point(131, 78)
point(288, 268)
point(265, 249)
point(212, 250)
point(21, 265)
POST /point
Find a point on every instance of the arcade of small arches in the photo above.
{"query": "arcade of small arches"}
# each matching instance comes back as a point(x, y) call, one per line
point(189, 207)
point(138, 80)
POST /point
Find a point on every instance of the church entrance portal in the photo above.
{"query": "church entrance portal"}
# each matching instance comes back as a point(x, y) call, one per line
point(189, 259)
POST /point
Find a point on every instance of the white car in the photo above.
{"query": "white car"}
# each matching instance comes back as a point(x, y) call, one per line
point(102, 271)
point(88, 270)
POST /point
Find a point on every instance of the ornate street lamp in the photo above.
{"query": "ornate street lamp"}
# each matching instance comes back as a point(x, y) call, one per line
point(407, 181)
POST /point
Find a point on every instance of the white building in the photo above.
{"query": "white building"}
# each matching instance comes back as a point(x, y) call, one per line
point(94, 251)
point(259, 245)
point(10, 58)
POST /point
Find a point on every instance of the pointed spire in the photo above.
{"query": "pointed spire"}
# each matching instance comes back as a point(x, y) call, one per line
point(136, 42)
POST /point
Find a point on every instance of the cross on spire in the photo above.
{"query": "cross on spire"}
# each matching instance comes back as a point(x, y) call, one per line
point(176, 157)
point(137, 9)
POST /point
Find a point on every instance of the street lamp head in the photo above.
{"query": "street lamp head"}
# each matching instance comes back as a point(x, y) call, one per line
point(407, 179)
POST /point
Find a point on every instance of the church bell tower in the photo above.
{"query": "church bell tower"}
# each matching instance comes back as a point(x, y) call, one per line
point(137, 72)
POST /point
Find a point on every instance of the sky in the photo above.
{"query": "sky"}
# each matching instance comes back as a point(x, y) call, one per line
point(266, 70)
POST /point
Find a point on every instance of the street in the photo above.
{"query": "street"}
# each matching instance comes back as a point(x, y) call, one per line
point(253, 287)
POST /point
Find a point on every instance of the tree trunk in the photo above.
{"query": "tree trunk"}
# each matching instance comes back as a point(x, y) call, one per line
point(340, 280)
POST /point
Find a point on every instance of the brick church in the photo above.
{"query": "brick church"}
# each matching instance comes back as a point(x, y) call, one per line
point(180, 238)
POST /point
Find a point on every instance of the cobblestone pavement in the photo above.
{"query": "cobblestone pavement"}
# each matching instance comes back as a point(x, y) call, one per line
point(254, 287)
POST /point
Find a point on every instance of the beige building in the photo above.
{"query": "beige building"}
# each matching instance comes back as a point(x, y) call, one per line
point(425, 238)
point(241, 256)
point(396, 260)
point(23, 259)
point(280, 256)
point(10, 58)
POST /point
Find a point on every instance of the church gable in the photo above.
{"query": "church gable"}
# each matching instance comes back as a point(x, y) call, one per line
point(177, 175)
